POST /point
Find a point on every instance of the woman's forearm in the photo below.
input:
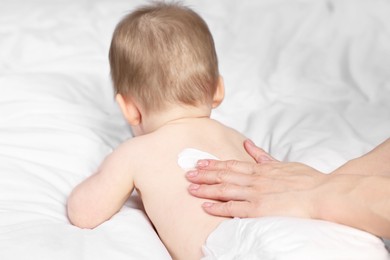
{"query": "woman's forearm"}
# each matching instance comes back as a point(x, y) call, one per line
point(360, 201)
point(358, 193)
point(376, 162)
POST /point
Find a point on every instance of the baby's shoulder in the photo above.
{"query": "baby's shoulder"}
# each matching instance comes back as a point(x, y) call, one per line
point(134, 144)
point(143, 145)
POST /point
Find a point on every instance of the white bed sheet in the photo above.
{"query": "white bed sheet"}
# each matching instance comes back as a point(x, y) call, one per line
point(308, 80)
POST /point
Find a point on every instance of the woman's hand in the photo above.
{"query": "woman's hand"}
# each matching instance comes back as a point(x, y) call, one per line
point(357, 194)
point(244, 189)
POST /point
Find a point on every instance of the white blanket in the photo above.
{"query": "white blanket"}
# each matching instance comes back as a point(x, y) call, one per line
point(308, 80)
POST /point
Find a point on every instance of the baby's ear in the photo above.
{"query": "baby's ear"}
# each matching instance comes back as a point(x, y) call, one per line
point(219, 93)
point(129, 109)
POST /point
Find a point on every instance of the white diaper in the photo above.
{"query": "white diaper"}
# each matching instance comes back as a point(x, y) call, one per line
point(283, 238)
point(234, 239)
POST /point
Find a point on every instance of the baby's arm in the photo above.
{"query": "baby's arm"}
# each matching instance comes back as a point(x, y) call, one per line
point(100, 196)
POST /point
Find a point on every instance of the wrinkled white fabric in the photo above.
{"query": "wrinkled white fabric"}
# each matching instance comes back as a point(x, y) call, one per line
point(296, 239)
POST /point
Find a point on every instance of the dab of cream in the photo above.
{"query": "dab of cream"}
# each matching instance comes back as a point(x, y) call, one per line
point(188, 158)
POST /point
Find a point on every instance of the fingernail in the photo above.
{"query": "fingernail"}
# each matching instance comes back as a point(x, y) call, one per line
point(193, 186)
point(202, 163)
point(191, 174)
point(207, 205)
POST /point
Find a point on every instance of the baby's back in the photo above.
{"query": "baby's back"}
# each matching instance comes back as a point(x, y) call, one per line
point(178, 217)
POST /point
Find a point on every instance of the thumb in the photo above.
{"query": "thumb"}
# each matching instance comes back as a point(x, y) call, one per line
point(257, 153)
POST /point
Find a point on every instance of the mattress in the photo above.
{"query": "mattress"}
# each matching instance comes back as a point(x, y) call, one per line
point(307, 80)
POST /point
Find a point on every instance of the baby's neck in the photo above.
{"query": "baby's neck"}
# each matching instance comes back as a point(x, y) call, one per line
point(156, 120)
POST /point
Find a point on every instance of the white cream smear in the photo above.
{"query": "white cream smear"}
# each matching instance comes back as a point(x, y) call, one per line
point(188, 158)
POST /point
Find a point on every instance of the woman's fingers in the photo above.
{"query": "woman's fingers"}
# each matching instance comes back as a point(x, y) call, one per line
point(240, 209)
point(285, 204)
point(238, 166)
point(221, 192)
point(219, 176)
point(227, 166)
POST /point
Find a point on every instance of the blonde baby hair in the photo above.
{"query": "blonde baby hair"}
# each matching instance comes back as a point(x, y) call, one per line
point(164, 53)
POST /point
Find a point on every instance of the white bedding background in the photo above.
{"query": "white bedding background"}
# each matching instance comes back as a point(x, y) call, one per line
point(308, 80)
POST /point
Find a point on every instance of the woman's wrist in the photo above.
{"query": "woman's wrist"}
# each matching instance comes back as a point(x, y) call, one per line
point(350, 168)
point(335, 198)
point(358, 201)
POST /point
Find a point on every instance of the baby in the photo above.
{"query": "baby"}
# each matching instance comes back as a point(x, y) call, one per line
point(165, 73)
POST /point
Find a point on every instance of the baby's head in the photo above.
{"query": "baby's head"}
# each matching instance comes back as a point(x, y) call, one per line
point(163, 54)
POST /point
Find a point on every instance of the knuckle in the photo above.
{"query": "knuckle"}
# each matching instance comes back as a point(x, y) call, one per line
point(202, 174)
point(205, 176)
point(255, 168)
point(221, 176)
point(222, 191)
point(229, 206)
point(270, 169)
point(231, 164)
